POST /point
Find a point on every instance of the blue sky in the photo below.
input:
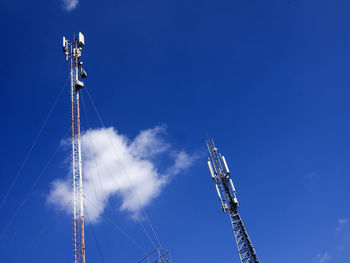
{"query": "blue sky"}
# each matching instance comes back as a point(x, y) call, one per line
point(267, 80)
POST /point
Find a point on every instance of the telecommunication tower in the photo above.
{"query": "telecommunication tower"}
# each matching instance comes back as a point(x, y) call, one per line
point(72, 50)
point(227, 195)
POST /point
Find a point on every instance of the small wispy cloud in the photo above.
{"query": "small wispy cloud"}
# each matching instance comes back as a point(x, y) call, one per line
point(341, 223)
point(322, 258)
point(114, 165)
point(69, 5)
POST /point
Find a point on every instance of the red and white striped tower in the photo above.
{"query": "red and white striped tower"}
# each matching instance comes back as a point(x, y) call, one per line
point(72, 50)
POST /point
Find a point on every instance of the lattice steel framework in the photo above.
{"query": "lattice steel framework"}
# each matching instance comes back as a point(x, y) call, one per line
point(73, 49)
point(160, 255)
point(227, 195)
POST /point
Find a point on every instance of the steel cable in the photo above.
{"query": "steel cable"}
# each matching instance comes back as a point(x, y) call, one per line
point(140, 223)
point(94, 234)
point(31, 189)
point(38, 235)
point(98, 172)
point(133, 187)
point(119, 228)
point(33, 145)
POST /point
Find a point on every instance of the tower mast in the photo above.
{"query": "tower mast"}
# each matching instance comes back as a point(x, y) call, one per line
point(227, 195)
point(72, 50)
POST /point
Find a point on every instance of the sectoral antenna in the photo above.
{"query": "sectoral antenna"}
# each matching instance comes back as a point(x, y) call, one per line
point(73, 50)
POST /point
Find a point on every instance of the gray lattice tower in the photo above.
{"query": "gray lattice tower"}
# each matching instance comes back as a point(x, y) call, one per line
point(72, 50)
point(160, 255)
point(227, 195)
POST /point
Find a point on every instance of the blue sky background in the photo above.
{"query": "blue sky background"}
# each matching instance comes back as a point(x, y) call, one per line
point(268, 80)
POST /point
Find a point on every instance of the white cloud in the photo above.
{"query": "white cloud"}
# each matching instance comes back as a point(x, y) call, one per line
point(69, 5)
point(182, 162)
point(341, 223)
point(322, 258)
point(113, 165)
point(60, 190)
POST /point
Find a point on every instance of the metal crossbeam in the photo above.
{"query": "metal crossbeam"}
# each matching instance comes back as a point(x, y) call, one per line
point(160, 255)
